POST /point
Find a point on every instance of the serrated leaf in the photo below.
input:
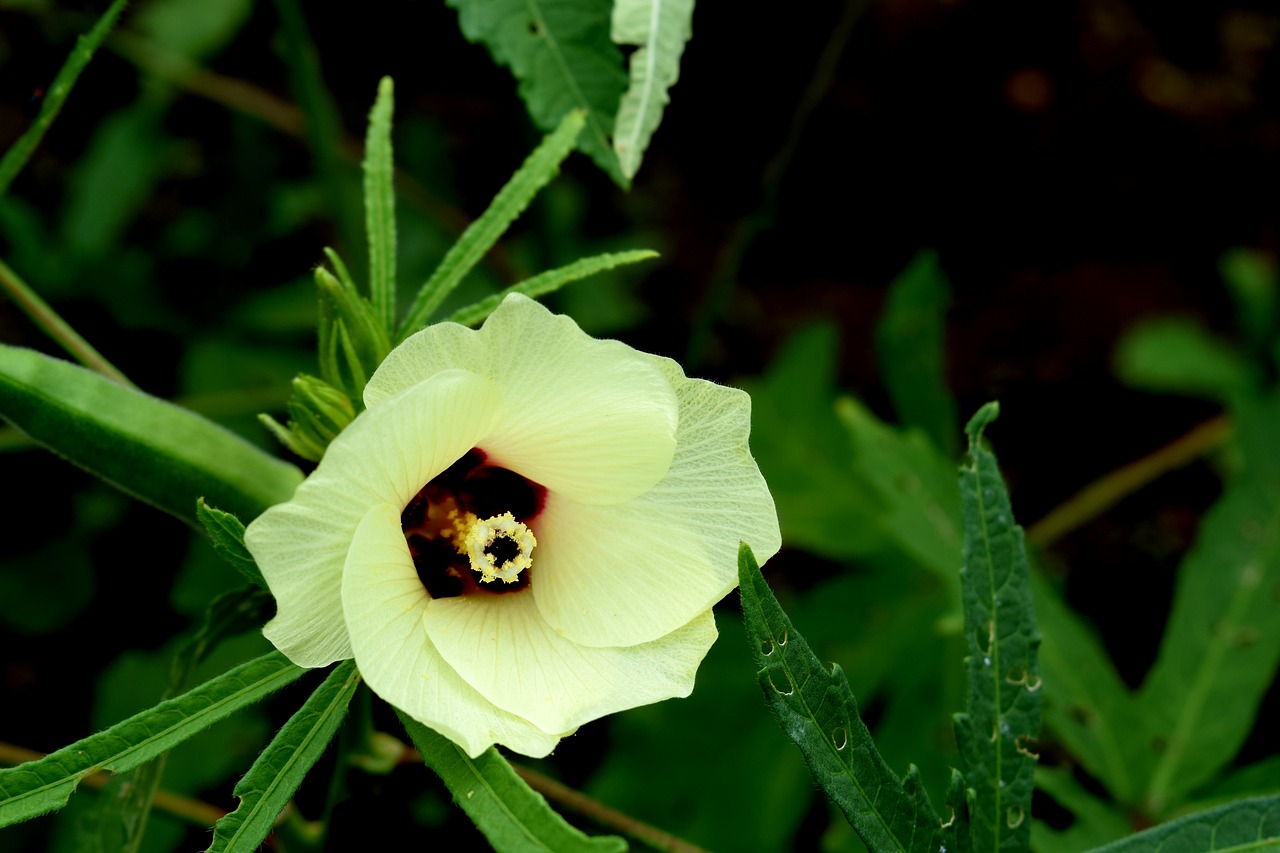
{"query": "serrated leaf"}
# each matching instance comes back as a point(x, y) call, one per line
point(561, 53)
point(539, 168)
point(512, 816)
point(659, 29)
point(16, 156)
point(997, 734)
point(227, 533)
point(42, 786)
point(380, 207)
point(550, 281)
point(1177, 354)
point(819, 713)
point(1221, 646)
point(909, 347)
point(1246, 825)
point(270, 783)
point(155, 451)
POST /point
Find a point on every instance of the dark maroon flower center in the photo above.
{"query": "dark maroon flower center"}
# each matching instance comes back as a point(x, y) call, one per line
point(436, 520)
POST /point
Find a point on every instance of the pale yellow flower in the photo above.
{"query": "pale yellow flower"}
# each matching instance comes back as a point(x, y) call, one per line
point(525, 530)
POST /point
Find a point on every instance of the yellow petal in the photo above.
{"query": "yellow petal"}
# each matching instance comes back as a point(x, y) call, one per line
point(385, 456)
point(592, 420)
point(630, 573)
point(501, 646)
point(385, 604)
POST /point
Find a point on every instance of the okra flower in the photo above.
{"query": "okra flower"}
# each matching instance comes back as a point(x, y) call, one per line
point(525, 530)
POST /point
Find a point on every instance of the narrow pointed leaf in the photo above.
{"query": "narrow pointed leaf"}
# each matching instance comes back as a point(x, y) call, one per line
point(997, 735)
point(1086, 705)
point(539, 168)
point(42, 786)
point(1221, 647)
point(909, 348)
point(816, 709)
point(227, 533)
point(513, 817)
point(158, 452)
point(278, 771)
point(380, 207)
point(86, 45)
point(659, 29)
point(549, 282)
point(1246, 825)
point(561, 53)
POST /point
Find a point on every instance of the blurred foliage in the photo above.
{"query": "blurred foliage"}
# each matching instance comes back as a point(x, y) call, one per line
point(175, 213)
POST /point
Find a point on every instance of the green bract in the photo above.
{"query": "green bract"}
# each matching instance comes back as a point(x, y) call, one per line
point(649, 488)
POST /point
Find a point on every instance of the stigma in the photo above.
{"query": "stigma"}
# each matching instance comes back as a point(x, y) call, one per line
point(499, 548)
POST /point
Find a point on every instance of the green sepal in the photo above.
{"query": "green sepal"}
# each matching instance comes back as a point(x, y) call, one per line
point(317, 413)
point(352, 342)
point(160, 453)
point(227, 533)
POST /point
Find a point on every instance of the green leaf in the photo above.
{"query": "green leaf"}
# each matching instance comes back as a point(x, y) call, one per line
point(42, 786)
point(550, 281)
point(909, 346)
point(21, 150)
point(659, 29)
point(847, 486)
point(227, 533)
point(1250, 276)
point(266, 789)
point(380, 207)
point(561, 53)
point(1086, 705)
point(512, 816)
point(817, 710)
point(323, 125)
point(193, 29)
point(158, 452)
point(1221, 645)
point(539, 168)
point(1176, 354)
point(1246, 825)
point(997, 734)
point(1094, 822)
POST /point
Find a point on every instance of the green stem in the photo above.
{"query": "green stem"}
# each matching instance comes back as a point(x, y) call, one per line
point(55, 327)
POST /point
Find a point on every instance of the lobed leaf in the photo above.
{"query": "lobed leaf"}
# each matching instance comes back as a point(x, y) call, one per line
point(997, 734)
point(561, 53)
point(1246, 825)
point(539, 168)
point(42, 786)
point(512, 816)
point(659, 29)
point(266, 789)
point(1086, 705)
point(819, 713)
point(1221, 647)
point(550, 281)
point(909, 347)
point(380, 207)
point(154, 450)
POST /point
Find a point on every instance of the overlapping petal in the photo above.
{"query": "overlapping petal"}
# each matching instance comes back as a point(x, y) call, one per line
point(385, 605)
point(592, 420)
point(502, 647)
point(629, 573)
point(301, 545)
